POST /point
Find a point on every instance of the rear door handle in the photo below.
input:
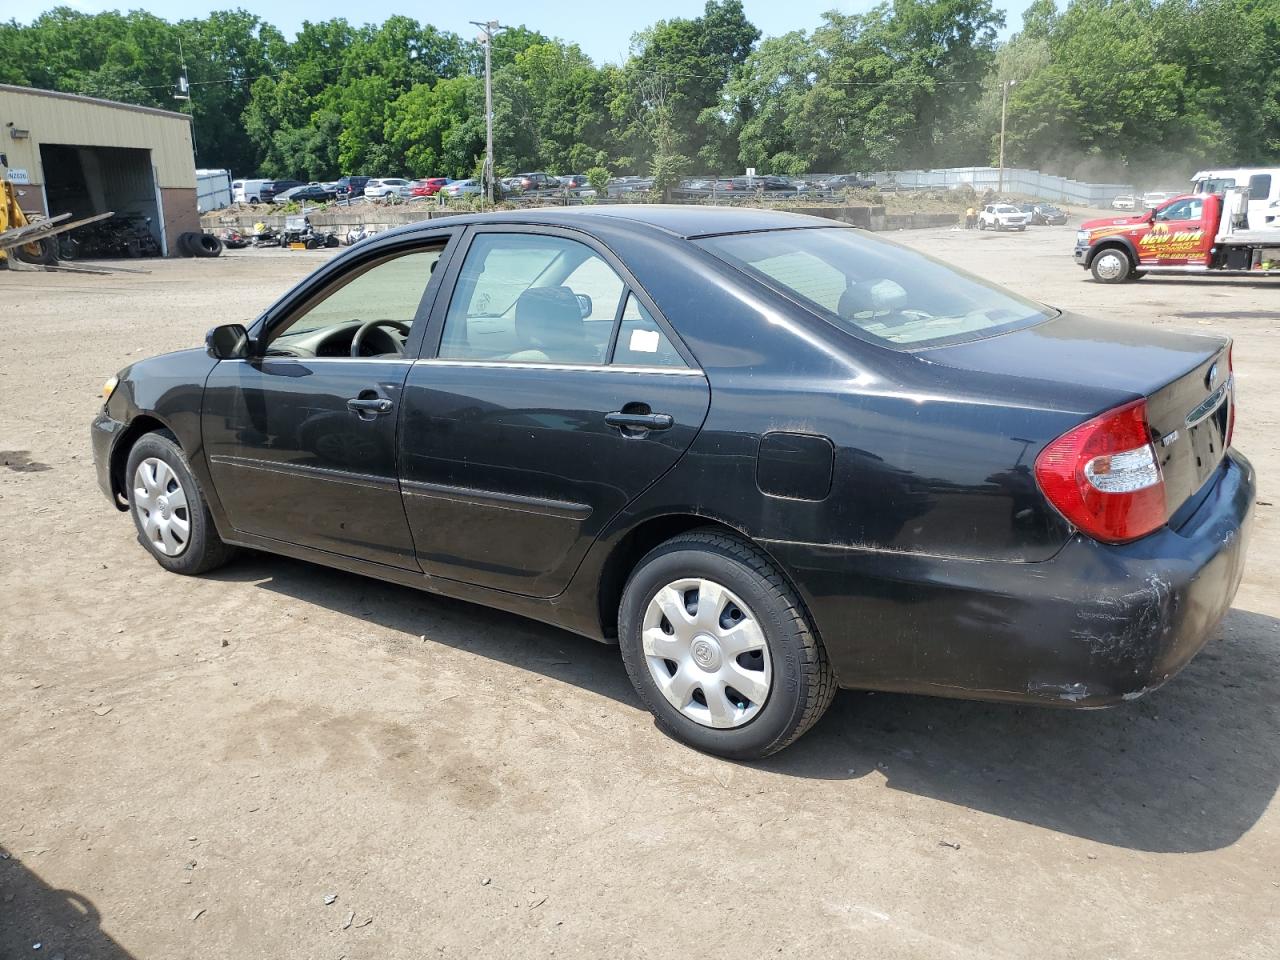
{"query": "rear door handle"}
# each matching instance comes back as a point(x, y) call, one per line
point(370, 407)
point(639, 421)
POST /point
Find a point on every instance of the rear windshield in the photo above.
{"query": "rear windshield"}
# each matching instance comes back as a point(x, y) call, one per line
point(874, 289)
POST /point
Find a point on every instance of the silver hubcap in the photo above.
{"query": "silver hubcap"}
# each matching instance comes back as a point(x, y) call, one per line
point(161, 505)
point(1110, 266)
point(706, 653)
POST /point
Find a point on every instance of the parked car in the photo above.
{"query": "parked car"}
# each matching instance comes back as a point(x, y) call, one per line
point(237, 191)
point(768, 455)
point(576, 183)
point(1002, 216)
point(1043, 213)
point(382, 187)
point(462, 188)
point(848, 181)
point(252, 191)
point(1156, 198)
point(428, 186)
point(307, 193)
point(271, 188)
point(1123, 202)
point(621, 186)
point(351, 187)
point(534, 182)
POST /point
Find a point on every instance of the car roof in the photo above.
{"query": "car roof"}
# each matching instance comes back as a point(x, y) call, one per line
point(674, 219)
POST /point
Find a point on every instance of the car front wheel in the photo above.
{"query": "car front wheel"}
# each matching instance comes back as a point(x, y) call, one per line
point(720, 648)
point(169, 510)
point(1111, 266)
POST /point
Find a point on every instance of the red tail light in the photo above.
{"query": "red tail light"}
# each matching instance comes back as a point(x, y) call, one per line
point(1104, 476)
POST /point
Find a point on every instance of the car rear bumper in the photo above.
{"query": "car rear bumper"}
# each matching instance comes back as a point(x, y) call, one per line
point(1095, 625)
point(104, 433)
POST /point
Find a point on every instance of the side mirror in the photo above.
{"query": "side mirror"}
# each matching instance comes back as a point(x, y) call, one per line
point(584, 304)
point(230, 341)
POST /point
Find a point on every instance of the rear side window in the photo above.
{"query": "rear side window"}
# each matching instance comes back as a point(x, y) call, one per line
point(1260, 186)
point(532, 299)
point(874, 289)
point(641, 342)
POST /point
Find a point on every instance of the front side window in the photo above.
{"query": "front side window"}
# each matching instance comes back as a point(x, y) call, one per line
point(874, 289)
point(530, 298)
point(1260, 186)
point(1189, 209)
point(368, 312)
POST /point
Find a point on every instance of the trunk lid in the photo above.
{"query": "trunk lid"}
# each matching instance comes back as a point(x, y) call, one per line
point(1090, 366)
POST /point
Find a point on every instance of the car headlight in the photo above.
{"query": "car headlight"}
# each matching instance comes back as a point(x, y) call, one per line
point(1082, 236)
point(109, 387)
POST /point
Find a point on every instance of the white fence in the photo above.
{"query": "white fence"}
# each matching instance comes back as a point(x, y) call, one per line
point(1031, 183)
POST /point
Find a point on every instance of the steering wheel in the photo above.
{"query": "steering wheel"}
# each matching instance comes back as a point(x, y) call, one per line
point(363, 331)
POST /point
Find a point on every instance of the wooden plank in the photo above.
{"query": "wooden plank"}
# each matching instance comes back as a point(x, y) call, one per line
point(45, 228)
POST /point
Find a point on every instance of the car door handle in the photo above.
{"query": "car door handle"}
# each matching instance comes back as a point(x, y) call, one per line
point(369, 407)
point(639, 421)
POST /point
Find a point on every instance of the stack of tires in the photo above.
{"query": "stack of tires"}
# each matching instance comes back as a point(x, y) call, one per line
point(199, 245)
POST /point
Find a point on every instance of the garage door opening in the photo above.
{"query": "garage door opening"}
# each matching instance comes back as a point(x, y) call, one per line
point(84, 181)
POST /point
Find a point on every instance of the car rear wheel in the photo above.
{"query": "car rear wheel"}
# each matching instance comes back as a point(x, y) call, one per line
point(720, 648)
point(169, 510)
point(1111, 266)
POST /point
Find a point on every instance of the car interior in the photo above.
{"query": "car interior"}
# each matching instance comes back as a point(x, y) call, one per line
point(538, 299)
point(367, 313)
point(896, 297)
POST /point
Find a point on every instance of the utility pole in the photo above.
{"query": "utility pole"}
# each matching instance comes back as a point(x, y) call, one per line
point(490, 29)
point(1004, 107)
point(184, 93)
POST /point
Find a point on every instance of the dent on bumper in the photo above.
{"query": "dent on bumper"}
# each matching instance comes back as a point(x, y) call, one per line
point(1095, 625)
point(104, 431)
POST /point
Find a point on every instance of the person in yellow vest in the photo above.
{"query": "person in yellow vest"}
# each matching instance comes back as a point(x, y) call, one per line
point(970, 218)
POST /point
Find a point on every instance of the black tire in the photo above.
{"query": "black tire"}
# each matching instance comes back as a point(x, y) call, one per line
point(803, 683)
point(206, 245)
point(1137, 275)
point(1111, 265)
point(312, 243)
point(204, 549)
point(187, 242)
point(982, 224)
point(47, 255)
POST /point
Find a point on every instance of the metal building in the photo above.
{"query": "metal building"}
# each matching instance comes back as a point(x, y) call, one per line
point(82, 155)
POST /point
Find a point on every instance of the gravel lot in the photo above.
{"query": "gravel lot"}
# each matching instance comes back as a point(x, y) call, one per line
point(188, 767)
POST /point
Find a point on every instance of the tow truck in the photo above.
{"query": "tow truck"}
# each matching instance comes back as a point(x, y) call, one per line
point(1197, 233)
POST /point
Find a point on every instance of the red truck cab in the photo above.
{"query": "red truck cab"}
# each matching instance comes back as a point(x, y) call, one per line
point(1183, 235)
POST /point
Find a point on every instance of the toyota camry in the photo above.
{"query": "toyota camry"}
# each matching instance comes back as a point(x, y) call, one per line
point(767, 455)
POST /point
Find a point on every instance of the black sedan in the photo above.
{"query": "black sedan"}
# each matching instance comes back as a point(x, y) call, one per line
point(768, 455)
point(309, 193)
point(1044, 214)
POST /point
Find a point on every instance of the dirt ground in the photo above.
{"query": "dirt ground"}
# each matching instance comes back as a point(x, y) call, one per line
point(189, 767)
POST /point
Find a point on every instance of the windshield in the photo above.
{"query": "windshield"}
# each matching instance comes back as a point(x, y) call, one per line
point(874, 289)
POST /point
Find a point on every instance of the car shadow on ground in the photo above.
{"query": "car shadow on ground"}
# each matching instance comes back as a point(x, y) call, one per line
point(36, 917)
point(1190, 767)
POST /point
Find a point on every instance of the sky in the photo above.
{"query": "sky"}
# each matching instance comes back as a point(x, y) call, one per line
point(603, 32)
